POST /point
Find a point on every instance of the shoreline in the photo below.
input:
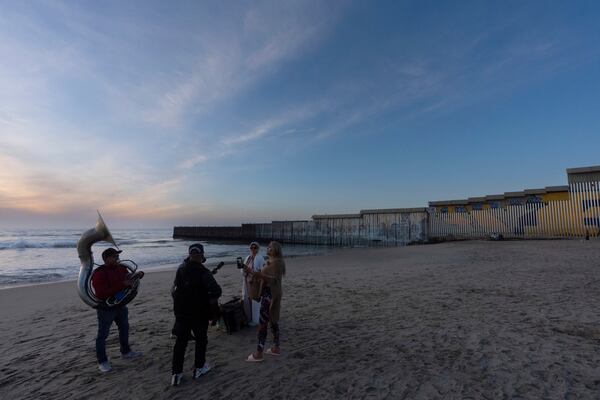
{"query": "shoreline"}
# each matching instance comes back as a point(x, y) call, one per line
point(476, 319)
point(157, 266)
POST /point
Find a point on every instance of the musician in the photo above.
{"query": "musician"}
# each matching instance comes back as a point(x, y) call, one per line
point(195, 295)
point(109, 280)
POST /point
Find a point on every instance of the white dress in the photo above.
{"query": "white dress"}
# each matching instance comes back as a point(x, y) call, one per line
point(251, 307)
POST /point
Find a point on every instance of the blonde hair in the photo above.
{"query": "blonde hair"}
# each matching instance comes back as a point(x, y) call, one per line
point(276, 249)
point(277, 253)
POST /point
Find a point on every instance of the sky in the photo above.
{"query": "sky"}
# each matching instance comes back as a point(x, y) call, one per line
point(161, 114)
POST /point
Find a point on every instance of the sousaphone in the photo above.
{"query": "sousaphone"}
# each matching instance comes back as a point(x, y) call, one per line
point(84, 248)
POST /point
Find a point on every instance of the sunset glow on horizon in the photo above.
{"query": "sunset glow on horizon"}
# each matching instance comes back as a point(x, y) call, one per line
point(212, 113)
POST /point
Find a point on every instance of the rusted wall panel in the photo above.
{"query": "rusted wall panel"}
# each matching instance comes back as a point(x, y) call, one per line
point(208, 232)
point(374, 228)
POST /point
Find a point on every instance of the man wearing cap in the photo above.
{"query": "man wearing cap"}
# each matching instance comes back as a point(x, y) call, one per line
point(108, 280)
point(195, 294)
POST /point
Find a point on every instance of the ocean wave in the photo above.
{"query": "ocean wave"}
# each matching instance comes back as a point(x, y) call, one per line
point(223, 254)
point(25, 244)
point(156, 246)
point(21, 244)
point(129, 241)
point(122, 242)
point(30, 278)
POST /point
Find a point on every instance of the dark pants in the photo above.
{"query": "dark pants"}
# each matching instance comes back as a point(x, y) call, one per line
point(105, 319)
point(183, 327)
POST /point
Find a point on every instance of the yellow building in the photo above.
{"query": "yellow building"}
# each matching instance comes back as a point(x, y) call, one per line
point(553, 211)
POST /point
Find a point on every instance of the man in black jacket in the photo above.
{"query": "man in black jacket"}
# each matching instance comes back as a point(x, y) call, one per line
point(195, 294)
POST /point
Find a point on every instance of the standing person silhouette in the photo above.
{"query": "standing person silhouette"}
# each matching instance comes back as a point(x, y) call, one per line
point(253, 263)
point(270, 301)
point(195, 295)
point(108, 281)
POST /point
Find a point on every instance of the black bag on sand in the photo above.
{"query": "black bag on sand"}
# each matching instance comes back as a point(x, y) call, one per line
point(233, 315)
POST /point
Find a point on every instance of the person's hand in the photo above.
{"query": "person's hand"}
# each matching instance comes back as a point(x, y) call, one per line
point(135, 275)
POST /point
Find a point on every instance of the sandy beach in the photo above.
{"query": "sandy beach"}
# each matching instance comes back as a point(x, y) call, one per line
point(462, 320)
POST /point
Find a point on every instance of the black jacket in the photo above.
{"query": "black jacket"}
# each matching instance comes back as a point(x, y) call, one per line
point(195, 291)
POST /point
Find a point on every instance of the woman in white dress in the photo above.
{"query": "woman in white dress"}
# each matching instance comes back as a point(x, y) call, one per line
point(253, 263)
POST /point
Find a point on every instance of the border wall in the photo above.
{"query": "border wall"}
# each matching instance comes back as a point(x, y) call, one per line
point(384, 227)
point(577, 216)
point(566, 211)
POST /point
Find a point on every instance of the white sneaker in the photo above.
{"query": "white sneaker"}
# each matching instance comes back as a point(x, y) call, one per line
point(198, 372)
point(131, 354)
point(176, 379)
point(104, 367)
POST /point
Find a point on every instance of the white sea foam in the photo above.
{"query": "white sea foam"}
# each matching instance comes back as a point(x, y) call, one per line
point(37, 256)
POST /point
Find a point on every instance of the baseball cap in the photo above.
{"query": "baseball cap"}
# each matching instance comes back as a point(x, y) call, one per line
point(196, 248)
point(110, 252)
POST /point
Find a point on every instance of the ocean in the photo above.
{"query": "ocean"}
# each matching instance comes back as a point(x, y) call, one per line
point(36, 256)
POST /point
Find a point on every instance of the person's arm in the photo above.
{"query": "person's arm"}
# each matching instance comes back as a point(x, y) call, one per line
point(213, 291)
point(176, 282)
point(212, 288)
point(175, 289)
point(269, 272)
point(126, 281)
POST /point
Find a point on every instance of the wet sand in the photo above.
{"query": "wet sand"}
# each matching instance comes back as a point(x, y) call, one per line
point(462, 320)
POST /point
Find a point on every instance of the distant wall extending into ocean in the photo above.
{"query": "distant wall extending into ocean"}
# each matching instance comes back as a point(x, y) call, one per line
point(385, 227)
point(572, 210)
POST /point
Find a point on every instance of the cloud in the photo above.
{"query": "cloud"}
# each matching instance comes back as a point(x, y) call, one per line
point(193, 161)
point(280, 123)
point(32, 180)
point(256, 133)
point(223, 65)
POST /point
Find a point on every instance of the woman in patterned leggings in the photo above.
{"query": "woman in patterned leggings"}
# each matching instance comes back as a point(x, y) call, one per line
point(270, 301)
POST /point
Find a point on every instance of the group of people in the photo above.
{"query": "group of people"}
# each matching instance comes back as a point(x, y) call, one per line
point(195, 304)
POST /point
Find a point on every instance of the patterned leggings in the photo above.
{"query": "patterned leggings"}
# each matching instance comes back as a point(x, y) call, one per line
point(265, 306)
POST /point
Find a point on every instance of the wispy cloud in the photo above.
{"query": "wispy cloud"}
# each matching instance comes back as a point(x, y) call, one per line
point(224, 65)
point(193, 161)
point(289, 121)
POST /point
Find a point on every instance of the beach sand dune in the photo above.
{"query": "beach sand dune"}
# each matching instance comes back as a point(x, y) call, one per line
point(462, 320)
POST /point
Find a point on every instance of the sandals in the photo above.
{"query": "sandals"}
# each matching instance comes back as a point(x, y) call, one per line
point(252, 359)
point(269, 351)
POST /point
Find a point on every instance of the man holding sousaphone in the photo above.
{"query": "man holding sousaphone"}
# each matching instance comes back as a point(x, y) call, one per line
point(108, 289)
point(111, 282)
